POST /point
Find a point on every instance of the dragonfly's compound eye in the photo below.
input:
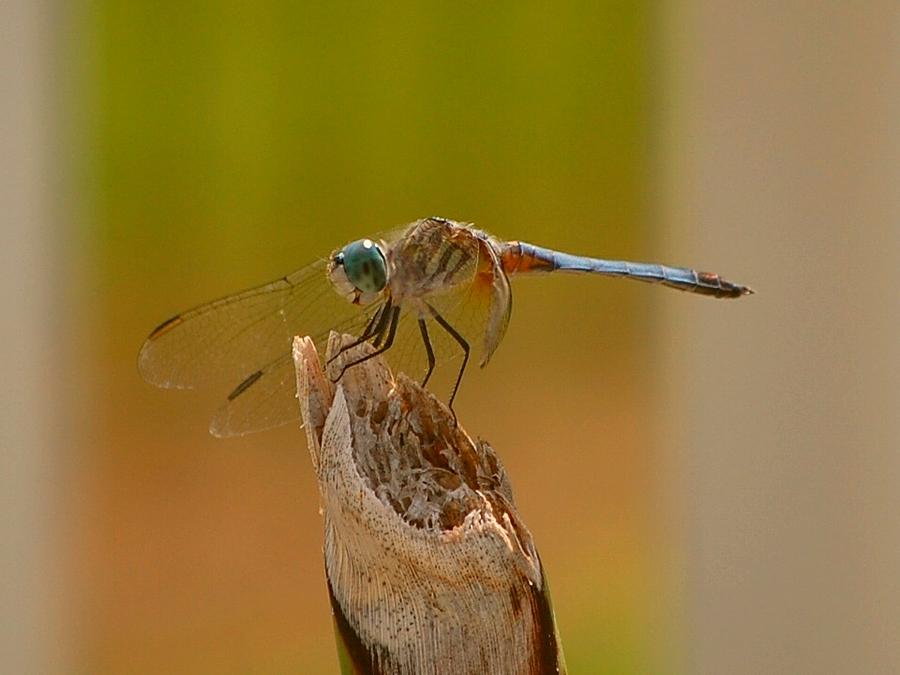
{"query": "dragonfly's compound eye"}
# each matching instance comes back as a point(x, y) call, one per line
point(365, 265)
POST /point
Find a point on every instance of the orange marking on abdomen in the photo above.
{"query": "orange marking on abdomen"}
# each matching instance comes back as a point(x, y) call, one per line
point(514, 261)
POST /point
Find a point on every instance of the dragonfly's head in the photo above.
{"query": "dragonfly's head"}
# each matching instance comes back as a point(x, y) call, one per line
point(359, 271)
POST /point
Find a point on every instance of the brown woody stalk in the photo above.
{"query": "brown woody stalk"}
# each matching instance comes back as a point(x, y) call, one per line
point(429, 566)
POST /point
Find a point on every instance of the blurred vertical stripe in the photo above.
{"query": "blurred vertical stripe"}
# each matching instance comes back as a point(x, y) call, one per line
point(782, 166)
point(31, 352)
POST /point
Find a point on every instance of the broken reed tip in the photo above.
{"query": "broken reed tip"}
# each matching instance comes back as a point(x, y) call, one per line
point(430, 567)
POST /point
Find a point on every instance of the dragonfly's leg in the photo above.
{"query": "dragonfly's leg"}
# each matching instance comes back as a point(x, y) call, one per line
point(376, 318)
point(376, 326)
point(380, 332)
point(462, 343)
point(429, 350)
point(379, 335)
point(392, 331)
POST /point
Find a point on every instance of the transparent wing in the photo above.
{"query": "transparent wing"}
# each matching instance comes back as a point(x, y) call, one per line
point(264, 400)
point(267, 397)
point(244, 340)
point(478, 305)
point(475, 310)
point(230, 338)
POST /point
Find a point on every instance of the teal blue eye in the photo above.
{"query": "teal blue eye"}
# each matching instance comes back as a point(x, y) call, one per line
point(365, 265)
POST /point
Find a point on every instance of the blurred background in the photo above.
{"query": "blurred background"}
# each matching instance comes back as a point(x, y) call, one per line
point(713, 486)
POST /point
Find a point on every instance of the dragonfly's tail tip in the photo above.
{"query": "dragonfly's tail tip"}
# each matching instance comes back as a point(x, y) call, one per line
point(738, 291)
point(735, 291)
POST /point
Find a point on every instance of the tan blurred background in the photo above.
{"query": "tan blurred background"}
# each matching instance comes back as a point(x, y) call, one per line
point(713, 485)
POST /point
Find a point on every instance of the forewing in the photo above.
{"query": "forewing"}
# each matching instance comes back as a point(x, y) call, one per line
point(244, 341)
point(228, 339)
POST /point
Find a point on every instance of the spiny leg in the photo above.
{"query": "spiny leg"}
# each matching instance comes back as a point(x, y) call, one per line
point(379, 336)
point(376, 326)
point(428, 350)
point(392, 331)
point(462, 343)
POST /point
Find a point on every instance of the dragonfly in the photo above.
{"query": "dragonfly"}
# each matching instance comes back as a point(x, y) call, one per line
point(430, 291)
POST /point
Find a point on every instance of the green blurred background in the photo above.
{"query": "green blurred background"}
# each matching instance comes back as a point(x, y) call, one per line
point(712, 486)
point(231, 143)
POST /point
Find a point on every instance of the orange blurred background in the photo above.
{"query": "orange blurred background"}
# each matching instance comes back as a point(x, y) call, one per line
point(712, 485)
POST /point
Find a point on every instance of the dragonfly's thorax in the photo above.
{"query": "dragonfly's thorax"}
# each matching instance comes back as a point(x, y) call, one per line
point(434, 256)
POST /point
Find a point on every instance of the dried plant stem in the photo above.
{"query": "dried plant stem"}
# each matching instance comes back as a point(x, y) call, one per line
point(429, 566)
